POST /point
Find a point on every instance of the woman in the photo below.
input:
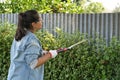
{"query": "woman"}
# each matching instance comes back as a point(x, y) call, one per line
point(26, 55)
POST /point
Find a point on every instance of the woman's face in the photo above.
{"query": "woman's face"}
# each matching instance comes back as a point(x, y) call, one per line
point(37, 25)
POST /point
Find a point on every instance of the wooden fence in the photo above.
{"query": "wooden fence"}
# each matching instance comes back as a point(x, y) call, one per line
point(106, 25)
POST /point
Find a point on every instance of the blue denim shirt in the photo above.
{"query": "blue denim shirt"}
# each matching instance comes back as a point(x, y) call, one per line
point(22, 53)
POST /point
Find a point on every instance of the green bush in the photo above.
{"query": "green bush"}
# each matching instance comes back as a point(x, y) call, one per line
point(6, 37)
point(50, 6)
point(92, 60)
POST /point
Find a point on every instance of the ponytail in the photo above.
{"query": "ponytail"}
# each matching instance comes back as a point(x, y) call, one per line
point(21, 31)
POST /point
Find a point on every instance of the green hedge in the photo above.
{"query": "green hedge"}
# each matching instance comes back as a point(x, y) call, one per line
point(6, 37)
point(91, 60)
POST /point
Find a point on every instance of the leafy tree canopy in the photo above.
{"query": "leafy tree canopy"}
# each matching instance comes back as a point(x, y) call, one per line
point(51, 6)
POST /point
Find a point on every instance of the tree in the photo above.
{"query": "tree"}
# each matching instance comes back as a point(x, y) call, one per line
point(90, 7)
point(51, 6)
point(117, 9)
point(94, 7)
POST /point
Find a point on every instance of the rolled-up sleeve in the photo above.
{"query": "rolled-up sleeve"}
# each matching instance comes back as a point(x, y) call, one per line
point(32, 52)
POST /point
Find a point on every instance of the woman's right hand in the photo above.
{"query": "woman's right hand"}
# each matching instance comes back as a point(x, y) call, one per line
point(53, 53)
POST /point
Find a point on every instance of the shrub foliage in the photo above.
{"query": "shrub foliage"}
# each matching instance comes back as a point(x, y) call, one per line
point(91, 60)
point(51, 6)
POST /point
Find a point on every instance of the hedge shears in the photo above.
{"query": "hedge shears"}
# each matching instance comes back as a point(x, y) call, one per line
point(70, 47)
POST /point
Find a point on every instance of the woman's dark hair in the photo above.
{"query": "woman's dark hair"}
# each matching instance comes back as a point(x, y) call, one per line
point(25, 23)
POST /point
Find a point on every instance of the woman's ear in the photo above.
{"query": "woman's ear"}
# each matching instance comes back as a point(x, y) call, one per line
point(33, 24)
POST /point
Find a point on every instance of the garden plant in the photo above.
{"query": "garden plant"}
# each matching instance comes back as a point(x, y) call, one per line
point(92, 60)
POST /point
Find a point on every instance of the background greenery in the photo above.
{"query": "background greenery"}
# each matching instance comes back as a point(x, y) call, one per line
point(51, 6)
point(92, 60)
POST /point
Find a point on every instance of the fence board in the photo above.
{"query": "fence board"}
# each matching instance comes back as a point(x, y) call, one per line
point(106, 25)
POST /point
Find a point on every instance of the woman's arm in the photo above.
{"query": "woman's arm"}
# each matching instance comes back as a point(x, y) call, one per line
point(43, 59)
point(50, 54)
